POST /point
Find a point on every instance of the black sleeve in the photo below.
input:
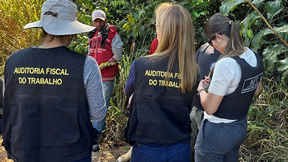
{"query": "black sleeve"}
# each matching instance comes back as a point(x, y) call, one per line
point(196, 98)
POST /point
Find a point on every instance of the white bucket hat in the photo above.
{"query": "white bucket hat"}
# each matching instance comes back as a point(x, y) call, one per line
point(59, 17)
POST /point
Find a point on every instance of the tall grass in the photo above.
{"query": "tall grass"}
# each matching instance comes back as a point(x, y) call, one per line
point(14, 14)
point(117, 116)
point(268, 130)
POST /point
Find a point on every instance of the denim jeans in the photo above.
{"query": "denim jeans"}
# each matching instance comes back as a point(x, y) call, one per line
point(220, 142)
point(108, 89)
point(179, 152)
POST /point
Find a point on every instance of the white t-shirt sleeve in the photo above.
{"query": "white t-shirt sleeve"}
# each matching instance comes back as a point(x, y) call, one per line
point(226, 77)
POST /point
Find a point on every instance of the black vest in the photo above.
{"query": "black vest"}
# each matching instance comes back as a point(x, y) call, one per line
point(46, 114)
point(206, 56)
point(158, 114)
point(236, 104)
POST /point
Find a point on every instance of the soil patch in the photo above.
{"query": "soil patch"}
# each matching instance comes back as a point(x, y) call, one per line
point(109, 152)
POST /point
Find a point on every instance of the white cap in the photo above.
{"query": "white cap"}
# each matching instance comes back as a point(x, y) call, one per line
point(98, 14)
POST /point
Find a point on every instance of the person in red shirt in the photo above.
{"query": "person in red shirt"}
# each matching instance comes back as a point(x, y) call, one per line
point(105, 46)
point(153, 46)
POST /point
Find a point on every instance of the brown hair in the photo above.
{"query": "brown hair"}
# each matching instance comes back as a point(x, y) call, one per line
point(176, 41)
point(63, 38)
point(220, 24)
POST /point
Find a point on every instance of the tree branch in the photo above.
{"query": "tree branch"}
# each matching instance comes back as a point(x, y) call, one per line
point(266, 22)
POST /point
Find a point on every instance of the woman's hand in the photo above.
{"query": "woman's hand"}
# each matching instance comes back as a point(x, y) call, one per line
point(200, 85)
point(204, 84)
point(206, 80)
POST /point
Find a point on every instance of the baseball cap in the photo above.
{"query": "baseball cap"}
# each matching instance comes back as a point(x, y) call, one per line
point(98, 14)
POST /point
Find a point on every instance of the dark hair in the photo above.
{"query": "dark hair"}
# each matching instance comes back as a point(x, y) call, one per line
point(63, 38)
point(43, 36)
point(220, 24)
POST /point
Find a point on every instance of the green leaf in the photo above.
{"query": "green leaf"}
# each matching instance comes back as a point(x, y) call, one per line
point(258, 38)
point(130, 19)
point(228, 5)
point(282, 29)
point(283, 67)
point(257, 2)
point(250, 19)
point(257, 41)
point(284, 76)
point(283, 64)
point(273, 8)
point(250, 33)
point(136, 30)
point(271, 52)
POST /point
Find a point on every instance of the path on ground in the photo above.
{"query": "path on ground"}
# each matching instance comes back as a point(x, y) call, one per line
point(108, 152)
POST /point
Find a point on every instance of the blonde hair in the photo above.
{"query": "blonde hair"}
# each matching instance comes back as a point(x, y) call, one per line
point(176, 41)
point(220, 24)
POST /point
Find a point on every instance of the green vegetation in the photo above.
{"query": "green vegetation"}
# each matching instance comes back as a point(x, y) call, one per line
point(268, 35)
point(12, 19)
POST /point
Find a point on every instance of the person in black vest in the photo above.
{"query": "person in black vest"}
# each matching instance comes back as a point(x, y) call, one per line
point(206, 57)
point(236, 79)
point(159, 124)
point(52, 93)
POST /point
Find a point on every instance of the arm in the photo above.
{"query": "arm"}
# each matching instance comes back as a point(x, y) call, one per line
point(130, 83)
point(223, 82)
point(258, 90)
point(117, 52)
point(94, 90)
point(210, 102)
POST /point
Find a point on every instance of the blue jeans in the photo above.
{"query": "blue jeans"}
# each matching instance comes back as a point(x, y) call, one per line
point(179, 152)
point(220, 142)
point(108, 89)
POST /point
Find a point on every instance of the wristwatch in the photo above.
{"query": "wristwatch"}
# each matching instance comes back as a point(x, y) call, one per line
point(200, 91)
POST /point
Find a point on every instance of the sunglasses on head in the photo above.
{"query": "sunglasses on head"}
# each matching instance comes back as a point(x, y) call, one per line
point(210, 40)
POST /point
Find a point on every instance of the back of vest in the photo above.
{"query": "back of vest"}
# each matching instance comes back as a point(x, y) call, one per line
point(237, 104)
point(160, 114)
point(46, 115)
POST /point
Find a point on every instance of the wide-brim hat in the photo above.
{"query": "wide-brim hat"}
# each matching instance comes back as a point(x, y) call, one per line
point(59, 17)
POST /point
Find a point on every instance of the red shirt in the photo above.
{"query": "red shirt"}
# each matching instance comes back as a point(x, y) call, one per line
point(153, 46)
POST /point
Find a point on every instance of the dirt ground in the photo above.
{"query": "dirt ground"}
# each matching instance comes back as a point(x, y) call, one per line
point(109, 152)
